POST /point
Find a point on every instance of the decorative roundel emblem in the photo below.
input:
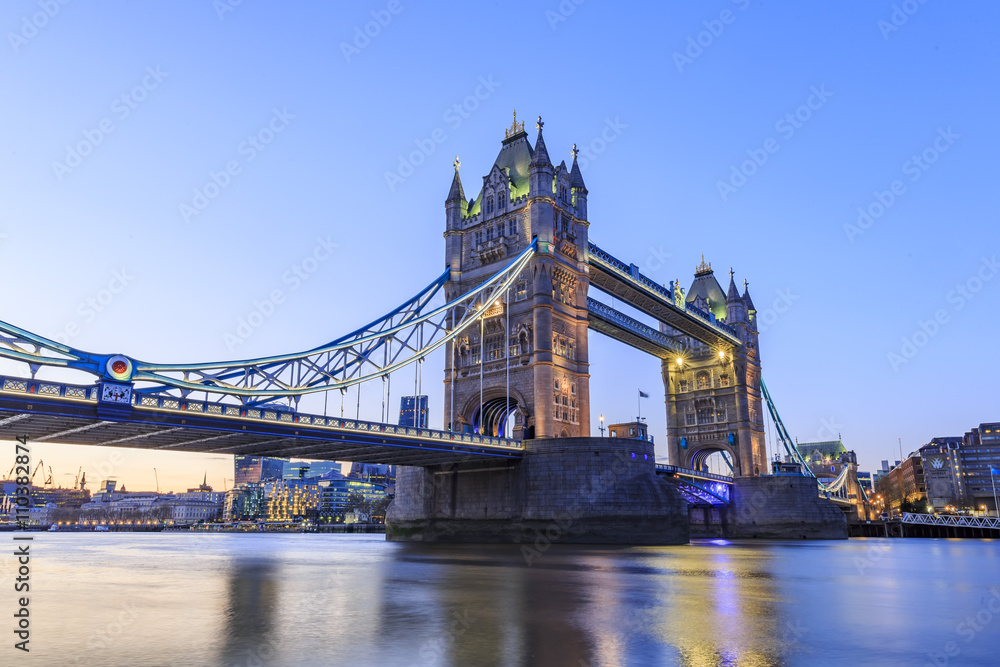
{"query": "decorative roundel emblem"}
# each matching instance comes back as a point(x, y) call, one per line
point(119, 367)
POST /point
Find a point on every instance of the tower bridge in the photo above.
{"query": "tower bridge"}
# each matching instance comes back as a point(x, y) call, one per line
point(516, 452)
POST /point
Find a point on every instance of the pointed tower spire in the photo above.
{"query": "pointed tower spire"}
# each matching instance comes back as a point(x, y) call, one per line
point(575, 175)
point(456, 192)
point(735, 310)
point(746, 297)
point(541, 152)
point(733, 294)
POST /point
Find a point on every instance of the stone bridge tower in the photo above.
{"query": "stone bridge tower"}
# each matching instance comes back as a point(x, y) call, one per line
point(713, 395)
point(544, 350)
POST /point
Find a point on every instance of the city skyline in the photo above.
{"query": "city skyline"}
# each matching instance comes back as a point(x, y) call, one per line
point(122, 250)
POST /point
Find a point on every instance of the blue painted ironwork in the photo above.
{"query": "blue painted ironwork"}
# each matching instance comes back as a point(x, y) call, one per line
point(699, 487)
point(64, 395)
point(404, 336)
point(613, 323)
point(793, 451)
point(631, 274)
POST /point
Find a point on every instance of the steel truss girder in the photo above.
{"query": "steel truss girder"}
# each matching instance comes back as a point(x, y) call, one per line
point(402, 337)
point(611, 275)
point(610, 322)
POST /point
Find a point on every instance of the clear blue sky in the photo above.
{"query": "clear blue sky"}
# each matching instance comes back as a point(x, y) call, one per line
point(838, 301)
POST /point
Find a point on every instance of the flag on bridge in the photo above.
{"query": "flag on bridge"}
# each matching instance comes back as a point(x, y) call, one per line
point(994, 470)
point(643, 394)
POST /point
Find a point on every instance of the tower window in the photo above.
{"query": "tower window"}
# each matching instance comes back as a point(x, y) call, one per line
point(489, 205)
point(502, 200)
point(511, 227)
point(704, 382)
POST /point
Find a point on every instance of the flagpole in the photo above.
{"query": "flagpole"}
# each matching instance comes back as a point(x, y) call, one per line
point(638, 402)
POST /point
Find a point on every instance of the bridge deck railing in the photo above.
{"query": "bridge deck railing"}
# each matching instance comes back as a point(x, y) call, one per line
point(89, 394)
point(632, 325)
point(950, 520)
point(677, 470)
point(628, 272)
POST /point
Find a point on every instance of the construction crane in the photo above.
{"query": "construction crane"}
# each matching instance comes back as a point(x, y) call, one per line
point(76, 482)
point(157, 481)
point(41, 464)
point(83, 482)
point(49, 481)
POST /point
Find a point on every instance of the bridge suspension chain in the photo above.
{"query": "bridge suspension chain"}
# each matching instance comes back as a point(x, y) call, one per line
point(404, 336)
point(790, 447)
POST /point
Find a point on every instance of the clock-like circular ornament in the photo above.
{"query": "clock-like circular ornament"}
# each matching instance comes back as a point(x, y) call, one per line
point(119, 367)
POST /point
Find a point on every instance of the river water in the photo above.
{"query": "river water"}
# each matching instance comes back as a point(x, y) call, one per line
point(252, 600)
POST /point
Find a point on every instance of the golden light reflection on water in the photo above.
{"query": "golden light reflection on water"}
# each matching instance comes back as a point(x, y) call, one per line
point(261, 600)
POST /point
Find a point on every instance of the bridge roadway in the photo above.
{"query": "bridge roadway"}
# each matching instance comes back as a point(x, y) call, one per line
point(624, 281)
point(73, 414)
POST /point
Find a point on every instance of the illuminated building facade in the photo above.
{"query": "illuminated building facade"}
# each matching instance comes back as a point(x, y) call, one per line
point(256, 469)
point(336, 506)
point(413, 411)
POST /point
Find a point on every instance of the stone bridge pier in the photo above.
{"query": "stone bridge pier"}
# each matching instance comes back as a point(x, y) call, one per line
point(564, 490)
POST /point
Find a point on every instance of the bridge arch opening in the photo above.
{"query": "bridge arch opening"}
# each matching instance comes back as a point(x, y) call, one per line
point(500, 417)
point(713, 459)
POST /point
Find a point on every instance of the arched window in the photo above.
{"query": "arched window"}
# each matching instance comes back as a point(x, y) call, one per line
point(724, 380)
point(489, 205)
point(501, 200)
point(511, 227)
point(703, 380)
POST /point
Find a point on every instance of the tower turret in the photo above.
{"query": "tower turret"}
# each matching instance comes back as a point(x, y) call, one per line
point(541, 167)
point(735, 308)
point(578, 188)
point(455, 207)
